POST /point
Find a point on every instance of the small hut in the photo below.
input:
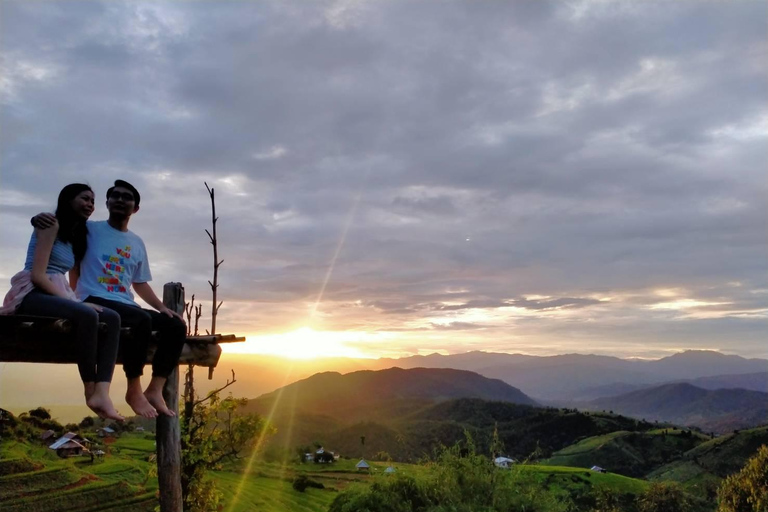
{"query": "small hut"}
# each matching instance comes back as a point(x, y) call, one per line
point(106, 432)
point(68, 445)
point(363, 466)
point(504, 462)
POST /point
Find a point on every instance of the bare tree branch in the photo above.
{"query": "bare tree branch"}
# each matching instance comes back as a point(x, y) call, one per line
point(217, 391)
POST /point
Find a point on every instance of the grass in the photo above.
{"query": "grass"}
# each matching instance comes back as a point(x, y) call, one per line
point(269, 494)
point(628, 453)
point(569, 478)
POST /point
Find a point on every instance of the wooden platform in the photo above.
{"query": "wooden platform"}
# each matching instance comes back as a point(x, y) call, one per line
point(35, 339)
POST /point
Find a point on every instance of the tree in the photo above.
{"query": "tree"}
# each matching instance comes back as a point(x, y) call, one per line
point(87, 422)
point(216, 431)
point(746, 491)
point(665, 497)
point(40, 413)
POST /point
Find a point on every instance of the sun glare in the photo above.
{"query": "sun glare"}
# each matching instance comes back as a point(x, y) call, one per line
point(306, 343)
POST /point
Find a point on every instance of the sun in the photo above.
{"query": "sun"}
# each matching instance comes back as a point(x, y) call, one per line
point(306, 343)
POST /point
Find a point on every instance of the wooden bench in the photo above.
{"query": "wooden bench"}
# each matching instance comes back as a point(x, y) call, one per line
point(32, 339)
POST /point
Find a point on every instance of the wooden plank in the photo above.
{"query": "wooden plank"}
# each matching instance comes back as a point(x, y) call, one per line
point(62, 349)
point(168, 433)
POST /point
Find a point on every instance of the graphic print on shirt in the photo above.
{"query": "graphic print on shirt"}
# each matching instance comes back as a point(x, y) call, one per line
point(114, 269)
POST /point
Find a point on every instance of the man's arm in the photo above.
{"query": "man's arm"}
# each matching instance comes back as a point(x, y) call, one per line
point(43, 220)
point(145, 291)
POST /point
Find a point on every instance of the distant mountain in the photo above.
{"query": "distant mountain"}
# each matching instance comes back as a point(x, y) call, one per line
point(719, 410)
point(693, 364)
point(471, 361)
point(577, 376)
point(751, 381)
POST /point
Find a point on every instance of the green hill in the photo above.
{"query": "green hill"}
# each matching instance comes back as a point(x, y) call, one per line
point(629, 453)
point(357, 395)
point(702, 467)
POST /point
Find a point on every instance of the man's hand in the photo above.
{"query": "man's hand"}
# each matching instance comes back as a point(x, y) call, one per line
point(95, 307)
point(171, 313)
point(43, 220)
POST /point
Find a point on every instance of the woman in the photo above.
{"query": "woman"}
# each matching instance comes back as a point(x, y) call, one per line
point(42, 289)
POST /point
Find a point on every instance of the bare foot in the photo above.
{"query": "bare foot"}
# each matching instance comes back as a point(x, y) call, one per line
point(100, 403)
point(156, 399)
point(139, 403)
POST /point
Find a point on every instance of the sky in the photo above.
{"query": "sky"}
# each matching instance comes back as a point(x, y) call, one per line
point(407, 177)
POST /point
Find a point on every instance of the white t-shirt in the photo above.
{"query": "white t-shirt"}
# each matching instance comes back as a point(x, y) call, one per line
point(113, 261)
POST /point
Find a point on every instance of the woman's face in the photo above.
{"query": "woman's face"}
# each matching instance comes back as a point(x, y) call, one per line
point(83, 204)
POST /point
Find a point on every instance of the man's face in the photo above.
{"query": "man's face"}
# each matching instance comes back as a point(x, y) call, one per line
point(121, 202)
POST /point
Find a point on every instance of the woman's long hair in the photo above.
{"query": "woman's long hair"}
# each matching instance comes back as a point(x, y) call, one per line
point(72, 226)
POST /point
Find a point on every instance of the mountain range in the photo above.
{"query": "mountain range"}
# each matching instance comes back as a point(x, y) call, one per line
point(579, 376)
point(719, 410)
point(408, 413)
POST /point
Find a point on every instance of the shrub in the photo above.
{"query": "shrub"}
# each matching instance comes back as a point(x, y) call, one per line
point(301, 482)
point(665, 497)
point(746, 491)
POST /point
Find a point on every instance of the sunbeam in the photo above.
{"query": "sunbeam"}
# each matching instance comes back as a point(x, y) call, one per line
point(329, 272)
point(262, 438)
point(259, 443)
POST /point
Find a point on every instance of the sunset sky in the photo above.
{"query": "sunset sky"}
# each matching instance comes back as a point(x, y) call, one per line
point(395, 178)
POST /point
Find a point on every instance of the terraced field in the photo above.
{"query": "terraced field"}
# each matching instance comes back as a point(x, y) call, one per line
point(34, 479)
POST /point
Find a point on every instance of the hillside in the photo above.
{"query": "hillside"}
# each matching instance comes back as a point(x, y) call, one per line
point(719, 410)
point(357, 394)
point(702, 468)
point(629, 453)
point(408, 413)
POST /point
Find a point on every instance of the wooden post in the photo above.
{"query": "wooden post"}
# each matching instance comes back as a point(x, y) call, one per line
point(168, 433)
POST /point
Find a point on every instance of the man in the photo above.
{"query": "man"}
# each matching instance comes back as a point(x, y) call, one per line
point(115, 261)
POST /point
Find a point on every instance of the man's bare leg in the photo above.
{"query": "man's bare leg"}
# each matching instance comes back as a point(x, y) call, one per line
point(136, 399)
point(154, 395)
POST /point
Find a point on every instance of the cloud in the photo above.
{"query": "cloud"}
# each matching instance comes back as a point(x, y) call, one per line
point(546, 164)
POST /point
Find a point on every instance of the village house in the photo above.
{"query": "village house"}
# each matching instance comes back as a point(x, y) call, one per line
point(323, 456)
point(504, 462)
point(106, 432)
point(70, 445)
point(363, 466)
point(47, 436)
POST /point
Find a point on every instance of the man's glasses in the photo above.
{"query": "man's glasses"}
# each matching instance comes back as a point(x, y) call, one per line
point(125, 196)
